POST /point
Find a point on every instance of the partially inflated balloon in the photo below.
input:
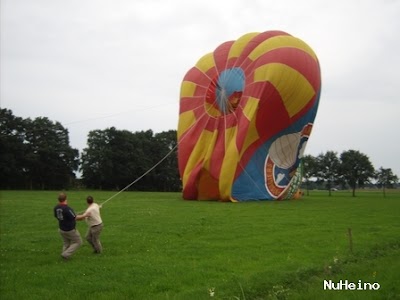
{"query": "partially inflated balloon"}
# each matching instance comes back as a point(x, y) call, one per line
point(246, 113)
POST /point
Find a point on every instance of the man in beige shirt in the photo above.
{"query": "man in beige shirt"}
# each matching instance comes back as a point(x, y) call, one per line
point(95, 224)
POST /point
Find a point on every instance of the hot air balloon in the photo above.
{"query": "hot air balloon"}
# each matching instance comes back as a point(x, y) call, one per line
point(246, 113)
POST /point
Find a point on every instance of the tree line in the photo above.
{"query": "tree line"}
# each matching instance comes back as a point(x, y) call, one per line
point(115, 158)
point(351, 169)
point(36, 154)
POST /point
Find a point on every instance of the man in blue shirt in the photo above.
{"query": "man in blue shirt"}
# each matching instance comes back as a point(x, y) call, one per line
point(66, 220)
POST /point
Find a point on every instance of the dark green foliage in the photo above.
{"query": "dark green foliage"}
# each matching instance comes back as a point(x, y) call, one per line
point(12, 150)
point(386, 179)
point(309, 163)
point(35, 154)
point(356, 169)
point(115, 158)
point(327, 168)
point(351, 169)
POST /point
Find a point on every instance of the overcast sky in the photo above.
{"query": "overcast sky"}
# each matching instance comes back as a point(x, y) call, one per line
point(96, 64)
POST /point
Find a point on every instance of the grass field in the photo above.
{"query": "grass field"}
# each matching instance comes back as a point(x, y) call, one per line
point(157, 246)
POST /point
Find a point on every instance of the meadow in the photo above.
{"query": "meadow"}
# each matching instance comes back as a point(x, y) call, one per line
point(158, 246)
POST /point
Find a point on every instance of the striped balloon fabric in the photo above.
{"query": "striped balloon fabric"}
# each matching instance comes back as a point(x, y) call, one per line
point(246, 113)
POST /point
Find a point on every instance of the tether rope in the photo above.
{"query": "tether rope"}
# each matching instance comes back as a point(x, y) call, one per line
point(159, 162)
point(140, 177)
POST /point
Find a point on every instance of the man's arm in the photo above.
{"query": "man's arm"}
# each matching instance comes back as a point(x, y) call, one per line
point(83, 216)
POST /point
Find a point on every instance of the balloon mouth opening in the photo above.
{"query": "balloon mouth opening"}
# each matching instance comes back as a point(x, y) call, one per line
point(225, 92)
point(228, 103)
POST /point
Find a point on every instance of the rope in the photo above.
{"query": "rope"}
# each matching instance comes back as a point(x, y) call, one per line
point(159, 162)
point(141, 176)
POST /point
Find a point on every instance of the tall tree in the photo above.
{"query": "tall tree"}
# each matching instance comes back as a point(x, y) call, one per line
point(12, 150)
point(94, 159)
point(51, 161)
point(386, 179)
point(356, 169)
point(328, 168)
point(116, 158)
point(309, 169)
point(168, 176)
point(131, 157)
point(144, 157)
point(35, 154)
point(107, 161)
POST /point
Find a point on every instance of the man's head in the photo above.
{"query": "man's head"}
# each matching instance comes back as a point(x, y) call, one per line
point(89, 200)
point(62, 197)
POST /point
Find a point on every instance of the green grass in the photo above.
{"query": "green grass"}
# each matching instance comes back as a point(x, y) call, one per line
point(157, 246)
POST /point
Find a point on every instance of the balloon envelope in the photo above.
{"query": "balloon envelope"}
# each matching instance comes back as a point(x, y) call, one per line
point(246, 113)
